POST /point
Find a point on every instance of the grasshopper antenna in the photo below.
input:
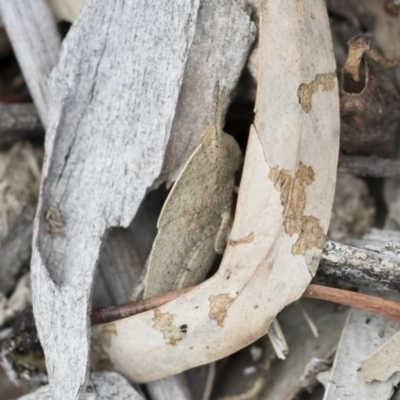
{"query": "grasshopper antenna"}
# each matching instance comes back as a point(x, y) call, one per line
point(220, 110)
point(214, 105)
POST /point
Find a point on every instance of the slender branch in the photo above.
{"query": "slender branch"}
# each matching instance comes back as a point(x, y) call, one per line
point(103, 315)
point(375, 304)
point(387, 308)
point(377, 266)
point(369, 166)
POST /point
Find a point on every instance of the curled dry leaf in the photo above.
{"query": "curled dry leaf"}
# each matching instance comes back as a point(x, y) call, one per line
point(370, 110)
point(287, 212)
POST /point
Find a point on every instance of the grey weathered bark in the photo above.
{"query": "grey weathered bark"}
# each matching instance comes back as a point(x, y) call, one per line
point(32, 30)
point(375, 266)
point(103, 154)
point(102, 386)
point(220, 24)
point(119, 267)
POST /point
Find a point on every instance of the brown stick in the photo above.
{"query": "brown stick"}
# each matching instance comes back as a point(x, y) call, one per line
point(387, 308)
point(375, 304)
point(103, 315)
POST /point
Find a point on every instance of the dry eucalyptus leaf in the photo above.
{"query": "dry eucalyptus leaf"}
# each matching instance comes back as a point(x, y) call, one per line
point(383, 362)
point(363, 333)
point(282, 215)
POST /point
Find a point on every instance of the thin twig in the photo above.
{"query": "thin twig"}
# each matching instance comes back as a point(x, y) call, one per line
point(387, 308)
point(375, 304)
point(369, 166)
point(103, 315)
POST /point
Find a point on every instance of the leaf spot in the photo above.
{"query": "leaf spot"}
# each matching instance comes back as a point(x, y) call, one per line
point(248, 239)
point(306, 90)
point(164, 323)
point(219, 305)
point(293, 200)
point(108, 331)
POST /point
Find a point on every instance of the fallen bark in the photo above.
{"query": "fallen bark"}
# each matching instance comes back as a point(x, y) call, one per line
point(34, 36)
point(376, 266)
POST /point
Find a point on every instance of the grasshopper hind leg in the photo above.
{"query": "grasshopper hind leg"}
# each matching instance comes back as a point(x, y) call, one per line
point(221, 238)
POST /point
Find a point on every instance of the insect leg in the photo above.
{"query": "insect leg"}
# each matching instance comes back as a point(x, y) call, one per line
point(220, 240)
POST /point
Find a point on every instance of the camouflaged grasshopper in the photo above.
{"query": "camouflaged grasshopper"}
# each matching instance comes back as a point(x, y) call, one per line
point(197, 214)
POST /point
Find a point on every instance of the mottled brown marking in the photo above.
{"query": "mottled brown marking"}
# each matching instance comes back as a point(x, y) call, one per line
point(103, 359)
point(248, 239)
point(293, 200)
point(164, 323)
point(109, 331)
point(306, 90)
point(219, 307)
point(55, 220)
